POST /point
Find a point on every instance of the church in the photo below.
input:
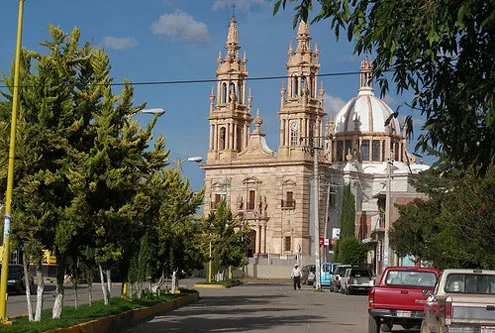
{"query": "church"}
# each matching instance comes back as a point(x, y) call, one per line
point(273, 191)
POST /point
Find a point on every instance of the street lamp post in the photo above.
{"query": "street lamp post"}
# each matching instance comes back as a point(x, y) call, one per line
point(10, 173)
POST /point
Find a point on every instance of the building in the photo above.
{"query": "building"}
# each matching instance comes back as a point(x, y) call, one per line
point(271, 190)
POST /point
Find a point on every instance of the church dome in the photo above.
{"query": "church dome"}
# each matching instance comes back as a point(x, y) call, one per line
point(365, 112)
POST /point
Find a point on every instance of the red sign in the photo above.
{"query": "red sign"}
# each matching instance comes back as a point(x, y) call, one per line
point(321, 241)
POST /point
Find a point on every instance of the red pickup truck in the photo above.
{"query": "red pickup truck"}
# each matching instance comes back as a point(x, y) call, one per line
point(399, 297)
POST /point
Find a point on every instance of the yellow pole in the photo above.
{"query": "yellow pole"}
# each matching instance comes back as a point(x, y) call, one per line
point(10, 174)
point(209, 267)
point(124, 290)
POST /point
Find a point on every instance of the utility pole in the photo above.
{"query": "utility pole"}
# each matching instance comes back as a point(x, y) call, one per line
point(386, 245)
point(314, 147)
point(10, 171)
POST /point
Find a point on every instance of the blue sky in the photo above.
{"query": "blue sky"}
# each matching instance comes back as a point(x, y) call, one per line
point(165, 40)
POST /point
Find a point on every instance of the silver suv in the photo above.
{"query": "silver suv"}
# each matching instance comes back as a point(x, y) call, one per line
point(338, 274)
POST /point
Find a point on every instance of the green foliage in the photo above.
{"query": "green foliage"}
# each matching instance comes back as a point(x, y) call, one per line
point(347, 219)
point(455, 227)
point(416, 227)
point(85, 313)
point(229, 238)
point(351, 250)
point(440, 50)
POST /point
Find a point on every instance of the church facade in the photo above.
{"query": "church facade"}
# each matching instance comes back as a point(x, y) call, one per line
point(272, 191)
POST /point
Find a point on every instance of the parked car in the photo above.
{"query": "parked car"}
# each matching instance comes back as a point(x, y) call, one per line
point(399, 297)
point(338, 273)
point(463, 301)
point(16, 282)
point(327, 270)
point(308, 274)
point(357, 280)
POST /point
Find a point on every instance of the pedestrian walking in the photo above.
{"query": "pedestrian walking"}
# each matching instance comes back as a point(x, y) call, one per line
point(296, 277)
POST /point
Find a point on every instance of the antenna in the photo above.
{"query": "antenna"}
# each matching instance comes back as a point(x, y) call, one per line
point(233, 8)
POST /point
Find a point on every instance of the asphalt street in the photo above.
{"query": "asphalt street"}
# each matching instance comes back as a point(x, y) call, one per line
point(265, 307)
point(256, 306)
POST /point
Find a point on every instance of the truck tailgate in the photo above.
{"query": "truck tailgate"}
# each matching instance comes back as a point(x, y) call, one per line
point(469, 309)
point(400, 298)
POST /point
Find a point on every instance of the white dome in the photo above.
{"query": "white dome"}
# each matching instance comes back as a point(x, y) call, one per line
point(370, 111)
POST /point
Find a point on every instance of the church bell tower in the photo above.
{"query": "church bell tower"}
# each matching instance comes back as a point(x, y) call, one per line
point(230, 111)
point(301, 104)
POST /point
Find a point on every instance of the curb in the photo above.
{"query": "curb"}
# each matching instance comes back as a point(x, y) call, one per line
point(209, 286)
point(123, 320)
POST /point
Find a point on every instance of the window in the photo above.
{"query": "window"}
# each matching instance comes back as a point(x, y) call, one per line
point(295, 85)
point(340, 150)
point(224, 93)
point(375, 150)
point(470, 283)
point(383, 150)
point(287, 244)
point(365, 150)
point(216, 200)
point(289, 201)
point(348, 147)
point(222, 138)
point(411, 278)
point(251, 201)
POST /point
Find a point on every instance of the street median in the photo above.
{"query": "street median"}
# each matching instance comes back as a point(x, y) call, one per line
point(115, 323)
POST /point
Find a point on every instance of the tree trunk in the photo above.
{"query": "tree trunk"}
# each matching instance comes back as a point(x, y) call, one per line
point(155, 287)
point(59, 290)
point(39, 292)
point(109, 284)
point(90, 296)
point(103, 285)
point(27, 277)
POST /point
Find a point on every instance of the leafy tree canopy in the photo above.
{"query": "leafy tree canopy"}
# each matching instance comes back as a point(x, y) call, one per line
point(441, 50)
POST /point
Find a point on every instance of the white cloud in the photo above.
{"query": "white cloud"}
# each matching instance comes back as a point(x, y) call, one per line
point(116, 43)
point(332, 105)
point(181, 26)
point(240, 5)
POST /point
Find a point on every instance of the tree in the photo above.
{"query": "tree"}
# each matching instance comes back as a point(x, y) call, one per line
point(352, 251)
point(442, 51)
point(347, 219)
point(229, 238)
point(412, 233)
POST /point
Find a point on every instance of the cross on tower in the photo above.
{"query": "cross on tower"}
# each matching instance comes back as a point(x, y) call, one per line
point(233, 9)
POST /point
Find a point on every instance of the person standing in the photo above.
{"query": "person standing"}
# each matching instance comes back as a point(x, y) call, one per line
point(296, 277)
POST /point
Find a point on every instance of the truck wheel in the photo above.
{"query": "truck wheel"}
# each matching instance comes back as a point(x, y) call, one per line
point(424, 327)
point(387, 327)
point(373, 324)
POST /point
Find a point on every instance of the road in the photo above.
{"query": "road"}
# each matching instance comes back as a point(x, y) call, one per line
point(266, 307)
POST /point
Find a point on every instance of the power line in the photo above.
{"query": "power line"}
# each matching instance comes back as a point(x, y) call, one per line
point(151, 83)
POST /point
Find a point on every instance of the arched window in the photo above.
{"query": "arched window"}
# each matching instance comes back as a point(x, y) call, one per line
point(239, 139)
point(295, 86)
point(303, 84)
point(222, 138)
point(240, 95)
point(232, 96)
point(224, 93)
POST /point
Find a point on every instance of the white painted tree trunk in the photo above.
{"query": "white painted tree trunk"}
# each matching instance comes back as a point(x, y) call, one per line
point(28, 286)
point(59, 299)
point(90, 295)
point(103, 285)
point(109, 285)
point(156, 287)
point(39, 292)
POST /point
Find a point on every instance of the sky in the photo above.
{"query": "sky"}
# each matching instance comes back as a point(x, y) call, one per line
point(170, 40)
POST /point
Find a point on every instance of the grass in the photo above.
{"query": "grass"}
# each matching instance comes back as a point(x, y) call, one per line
point(226, 283)
point(85, 313)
